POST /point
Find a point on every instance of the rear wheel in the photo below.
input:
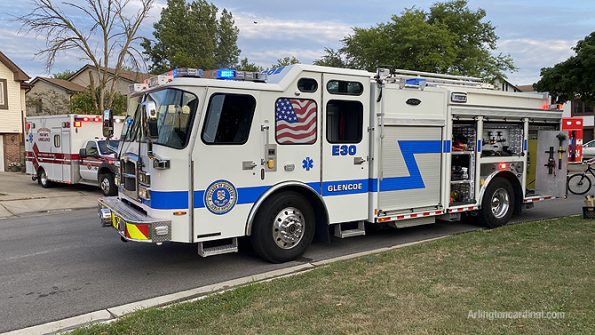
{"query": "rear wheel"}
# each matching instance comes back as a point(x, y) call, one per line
point(579, 184)
point(107, 184)
point(42, 178)
point(497, 205)
point(283, 228)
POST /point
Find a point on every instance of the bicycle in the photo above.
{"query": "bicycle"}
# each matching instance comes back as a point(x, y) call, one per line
point(580, 183)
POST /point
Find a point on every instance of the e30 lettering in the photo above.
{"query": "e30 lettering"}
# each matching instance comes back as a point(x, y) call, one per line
point(344, 150)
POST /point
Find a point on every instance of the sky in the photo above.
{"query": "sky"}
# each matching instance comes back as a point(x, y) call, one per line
point(536, 33)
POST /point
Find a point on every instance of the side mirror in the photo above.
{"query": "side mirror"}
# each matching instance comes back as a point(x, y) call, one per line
point(108, 123)
point(149, 111)
point(83, 153)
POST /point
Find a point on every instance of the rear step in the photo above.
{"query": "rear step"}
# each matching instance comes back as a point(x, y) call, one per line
point(359, 231)
point(217, 249)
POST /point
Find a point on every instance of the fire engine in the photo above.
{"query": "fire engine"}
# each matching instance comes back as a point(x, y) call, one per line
point(69, 149)
point(303, 151)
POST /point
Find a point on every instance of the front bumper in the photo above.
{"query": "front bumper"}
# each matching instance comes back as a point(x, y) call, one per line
point(132, 224)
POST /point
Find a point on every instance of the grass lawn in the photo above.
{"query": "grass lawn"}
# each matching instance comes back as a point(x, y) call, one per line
point(424, 289)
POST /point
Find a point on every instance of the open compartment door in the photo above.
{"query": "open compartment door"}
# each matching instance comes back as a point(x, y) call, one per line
point(551, 164)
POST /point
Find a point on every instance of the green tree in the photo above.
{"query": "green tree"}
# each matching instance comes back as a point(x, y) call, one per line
point(286, 61)
point(332, 58)
point(191, 35)
point(449, 38)
point(573, 78)
point(83, 103)
point(64, 75)
point(245, 65)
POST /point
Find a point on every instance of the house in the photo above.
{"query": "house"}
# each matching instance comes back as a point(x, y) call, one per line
point(89, 73)
point(12, 111)
point(502, 84)
point(50, 96)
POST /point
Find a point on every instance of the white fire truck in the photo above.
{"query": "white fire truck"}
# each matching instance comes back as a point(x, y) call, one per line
point(304, 151)
point(70, 149)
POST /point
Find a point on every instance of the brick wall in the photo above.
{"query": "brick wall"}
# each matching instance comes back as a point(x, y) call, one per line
point(14, 150)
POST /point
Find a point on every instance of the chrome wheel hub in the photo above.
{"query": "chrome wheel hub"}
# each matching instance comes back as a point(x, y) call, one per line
point(105, 185)
point(288, 228)
point(44, 178)
point(500, 203)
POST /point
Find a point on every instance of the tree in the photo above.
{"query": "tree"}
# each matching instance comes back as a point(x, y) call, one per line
point(191, 35)
point(332, 58)
point(83, 103)
point(573, 78)
point(64, 75)
point(245, 65)
point(450, 38)
point(286, 61)
point(109, 43)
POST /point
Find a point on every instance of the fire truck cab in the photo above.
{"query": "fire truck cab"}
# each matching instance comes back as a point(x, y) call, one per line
point(303, 150)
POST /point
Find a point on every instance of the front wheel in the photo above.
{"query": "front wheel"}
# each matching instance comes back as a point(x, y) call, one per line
point(107, 184)
point(497, 204)
point(283, 228)
point(579, 184)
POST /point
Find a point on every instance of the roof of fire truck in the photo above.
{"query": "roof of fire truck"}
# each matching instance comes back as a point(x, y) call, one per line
point(279, 79)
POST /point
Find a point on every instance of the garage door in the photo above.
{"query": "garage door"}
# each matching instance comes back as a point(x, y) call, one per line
point(1, 152)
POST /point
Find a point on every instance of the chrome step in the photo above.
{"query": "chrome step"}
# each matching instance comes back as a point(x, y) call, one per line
point(359, 231)
point(218, 249)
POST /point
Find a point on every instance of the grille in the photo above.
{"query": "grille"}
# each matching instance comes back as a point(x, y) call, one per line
point(129, 175)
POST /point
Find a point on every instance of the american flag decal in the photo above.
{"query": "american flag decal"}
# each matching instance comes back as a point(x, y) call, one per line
point(296, 121)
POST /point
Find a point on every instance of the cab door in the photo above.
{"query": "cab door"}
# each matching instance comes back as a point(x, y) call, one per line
point(345, 147)
point(228, 160)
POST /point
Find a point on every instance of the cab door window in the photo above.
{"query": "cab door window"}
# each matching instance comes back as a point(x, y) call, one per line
point(228, 119)
point(91, 148)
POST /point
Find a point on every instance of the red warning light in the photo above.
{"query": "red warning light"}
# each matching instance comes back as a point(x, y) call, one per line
point(502, 166)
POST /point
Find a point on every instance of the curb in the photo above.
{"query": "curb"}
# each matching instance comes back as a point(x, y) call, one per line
point(111, 314)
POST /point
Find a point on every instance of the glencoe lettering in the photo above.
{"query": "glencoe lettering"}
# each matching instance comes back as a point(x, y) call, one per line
point(345, 187)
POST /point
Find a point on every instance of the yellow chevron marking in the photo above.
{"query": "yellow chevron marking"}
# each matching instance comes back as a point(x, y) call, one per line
point(134, 233)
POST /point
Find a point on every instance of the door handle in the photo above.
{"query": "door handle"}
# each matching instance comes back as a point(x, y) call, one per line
point(358, 160)
point(248, 165)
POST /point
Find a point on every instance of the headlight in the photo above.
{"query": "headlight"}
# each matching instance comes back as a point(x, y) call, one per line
point(144, 178)
point(144, 192)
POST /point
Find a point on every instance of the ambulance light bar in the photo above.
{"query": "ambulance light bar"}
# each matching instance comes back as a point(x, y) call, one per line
point(78, 120)
point(228, 74)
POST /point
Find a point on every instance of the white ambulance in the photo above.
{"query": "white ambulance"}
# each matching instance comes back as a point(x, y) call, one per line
point(304, 151)
point(70, 149)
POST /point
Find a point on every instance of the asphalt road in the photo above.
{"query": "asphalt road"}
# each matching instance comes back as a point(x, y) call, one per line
point(62, 265)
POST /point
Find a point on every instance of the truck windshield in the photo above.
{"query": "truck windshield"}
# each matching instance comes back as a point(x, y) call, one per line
point(176, 111)
point(108, 147)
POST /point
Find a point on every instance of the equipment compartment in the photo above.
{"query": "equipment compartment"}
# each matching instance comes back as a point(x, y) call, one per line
point(462, 165)
point(502, 139)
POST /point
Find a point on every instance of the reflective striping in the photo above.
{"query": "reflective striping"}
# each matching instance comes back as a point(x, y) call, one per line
point(537, 199)
point(409, 216)
point(137, 232)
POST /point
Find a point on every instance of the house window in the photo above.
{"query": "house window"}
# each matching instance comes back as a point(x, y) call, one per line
point(3, 94)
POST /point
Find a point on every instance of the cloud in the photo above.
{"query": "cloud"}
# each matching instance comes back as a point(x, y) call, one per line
point(267, 28)
point(530, 55)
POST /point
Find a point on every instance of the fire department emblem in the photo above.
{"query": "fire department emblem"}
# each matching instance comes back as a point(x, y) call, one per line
point(220, 197)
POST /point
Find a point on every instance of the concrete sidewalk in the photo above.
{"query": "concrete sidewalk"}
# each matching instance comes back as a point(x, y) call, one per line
point(20, 196)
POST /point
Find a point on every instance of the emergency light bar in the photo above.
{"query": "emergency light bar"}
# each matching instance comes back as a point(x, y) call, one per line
point(222, 74)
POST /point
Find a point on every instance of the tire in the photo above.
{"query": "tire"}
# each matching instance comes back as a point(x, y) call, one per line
point(42, 179)
point(283, 228)
point(497, 205)
point(579, 184)
point(107, 184)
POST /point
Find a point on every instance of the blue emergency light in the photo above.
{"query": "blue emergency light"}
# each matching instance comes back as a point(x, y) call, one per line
point(225, 74)
point(415, 82)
